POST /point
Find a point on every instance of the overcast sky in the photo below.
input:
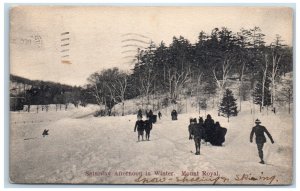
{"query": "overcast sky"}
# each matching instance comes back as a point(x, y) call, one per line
point(67, 44)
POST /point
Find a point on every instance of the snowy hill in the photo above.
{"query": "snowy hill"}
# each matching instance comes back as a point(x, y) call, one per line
point(81, 148)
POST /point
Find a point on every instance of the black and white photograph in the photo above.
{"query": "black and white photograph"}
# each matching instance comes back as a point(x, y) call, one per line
point(151, 95)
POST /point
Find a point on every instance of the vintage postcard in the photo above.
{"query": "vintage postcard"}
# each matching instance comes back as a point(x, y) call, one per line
point(151, 95)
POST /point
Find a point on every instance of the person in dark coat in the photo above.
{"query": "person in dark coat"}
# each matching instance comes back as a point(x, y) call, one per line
point(190, 128)
point(159, 115)
point(140, 114)
point(219, 136)
point(209, 127)
point(150, 116)
point(197, 131)
point(174, 114)
point(260, 138)
point(148, 128)
point(139, 126)
point(150, 113)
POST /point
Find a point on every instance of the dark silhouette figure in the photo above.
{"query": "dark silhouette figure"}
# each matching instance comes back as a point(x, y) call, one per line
point(260, 138)
point(174, 115)
point(148, 128)
point(45, 132)
point(152, 118)
point(140, 114)
point(209, 127)
point(139, 126)
point(190, 128)
point(197, 132)
point(150, 113)
point(147, 114)
point(219, 135)
point(159, 115)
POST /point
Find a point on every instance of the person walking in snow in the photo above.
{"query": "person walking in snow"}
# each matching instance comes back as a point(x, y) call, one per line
point(150, 113)
point(174, 114)
point(159, 115)
point(197, 132)
point(190, 128)
point(150, 116)
point(140, 114)
point(260, 138)
point(139, 126)
point(209, 127)
point(148, 128)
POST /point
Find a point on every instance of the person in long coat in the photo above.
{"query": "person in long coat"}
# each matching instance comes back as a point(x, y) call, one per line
point(174, 114)
point(209, 127)
point(197, 131)
point(148, 128)
point(140, 114)
point(219, 136)
point(159, 115)
point(260, 138)
point(139, 126)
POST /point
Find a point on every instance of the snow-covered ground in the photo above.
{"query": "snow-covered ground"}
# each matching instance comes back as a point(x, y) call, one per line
point(81, 148)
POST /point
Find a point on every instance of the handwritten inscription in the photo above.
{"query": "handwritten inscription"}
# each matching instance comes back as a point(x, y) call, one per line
point(188, 177)
point(250, 177)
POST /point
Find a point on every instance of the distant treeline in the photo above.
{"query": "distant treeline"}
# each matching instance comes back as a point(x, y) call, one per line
point(35, 92)
point(203, 69)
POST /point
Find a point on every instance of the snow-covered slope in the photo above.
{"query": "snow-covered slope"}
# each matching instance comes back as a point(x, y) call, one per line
point(80, 145)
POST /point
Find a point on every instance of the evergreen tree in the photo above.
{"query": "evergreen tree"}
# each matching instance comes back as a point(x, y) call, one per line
point(228, 105)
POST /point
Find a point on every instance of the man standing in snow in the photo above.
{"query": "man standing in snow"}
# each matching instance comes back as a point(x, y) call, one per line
point(174, 114)
point(260, 138)
point(197, 132)
point(159, 114)
point(148, 128)
point(140, 115)
point(139, 126)
point(209, 127)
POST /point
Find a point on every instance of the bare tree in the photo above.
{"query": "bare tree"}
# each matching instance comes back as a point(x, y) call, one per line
point(118, 87)
point(176, 81)
point(264, 69)
point(226, 66)
point(276, 52)
point(95, 87)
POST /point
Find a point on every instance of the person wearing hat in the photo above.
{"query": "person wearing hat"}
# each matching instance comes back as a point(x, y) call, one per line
point(260, 138)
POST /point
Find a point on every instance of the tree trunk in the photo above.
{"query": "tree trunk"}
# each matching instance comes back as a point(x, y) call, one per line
point(123, 108)
point(289, 91)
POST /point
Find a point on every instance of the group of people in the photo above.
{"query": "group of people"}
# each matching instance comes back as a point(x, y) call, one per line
point(207, 130)
point(142, 126)
point(145, 125)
